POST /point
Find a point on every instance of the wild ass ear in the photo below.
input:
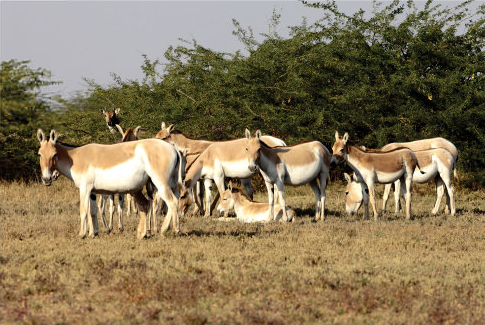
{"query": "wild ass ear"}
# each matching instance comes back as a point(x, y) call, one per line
point(347, 178)
point(346, 137)
point(163, 126)
point(336, 136)
point(120, 129)
point(137, 129)
point(40, 135)
point(53, 136)
point(258, 134)
point(117, 110)
point(229, 186)
point(247, 133)
point(102, 111)
point(170, 128)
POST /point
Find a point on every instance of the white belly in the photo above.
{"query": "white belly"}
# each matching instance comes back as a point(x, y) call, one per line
point(430, 172)
point(125, 177)
point(236, 169)
point(385, 178)
point(298, 175)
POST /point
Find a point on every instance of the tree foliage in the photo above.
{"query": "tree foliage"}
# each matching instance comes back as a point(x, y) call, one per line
point(398, 73)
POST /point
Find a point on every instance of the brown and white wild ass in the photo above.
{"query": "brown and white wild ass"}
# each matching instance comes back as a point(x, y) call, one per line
point(196, 147)
point(437, 164)
point(377, 167)
point(249, 211)
point(421, 145)
point(118, 168)
point(303, 163)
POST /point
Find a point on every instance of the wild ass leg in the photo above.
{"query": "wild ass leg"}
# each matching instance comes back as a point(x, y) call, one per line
point(208, 196)
point(385, 196)
point(372, 198)
point(101, 207)
point(316, 191)
point(450, 197)
point(83, 210)
point(248, 187)
point(282, 200)
point(93, 214)
point(323, 194)
point(440, 190)
point(143, 207)
point(408, 181)
point(172, 217)
point(111, 211)
point(397, 196)
point(121, 198)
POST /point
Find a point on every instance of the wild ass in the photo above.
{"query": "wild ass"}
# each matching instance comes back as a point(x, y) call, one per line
point(421, 145)
point(249, 211)
point(303, 163)
point(437, 164)
point(377, 167)
point(195, 148)
point(118, 168)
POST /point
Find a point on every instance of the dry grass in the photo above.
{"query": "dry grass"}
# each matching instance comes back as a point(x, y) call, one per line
point(429, 270)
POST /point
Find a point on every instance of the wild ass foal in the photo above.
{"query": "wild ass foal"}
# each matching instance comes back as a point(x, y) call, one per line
point(382, 167)
point(96, 168)
point(303, 163)
point(248, 210)
point(195, 147)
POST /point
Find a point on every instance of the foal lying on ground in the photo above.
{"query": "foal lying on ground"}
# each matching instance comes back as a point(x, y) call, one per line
point(248, 210)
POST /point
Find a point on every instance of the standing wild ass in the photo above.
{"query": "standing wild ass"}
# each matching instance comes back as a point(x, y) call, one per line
point(118, 168)
point(437, 164)
point(377, 167)
point(249, 211)
point(196, 147)
point(421, 145)
point(303, 163)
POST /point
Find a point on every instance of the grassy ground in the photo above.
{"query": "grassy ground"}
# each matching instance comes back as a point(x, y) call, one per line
point(430, 270)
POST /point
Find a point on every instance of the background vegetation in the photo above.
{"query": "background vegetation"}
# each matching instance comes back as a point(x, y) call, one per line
point(398, 73)
point(345, 270)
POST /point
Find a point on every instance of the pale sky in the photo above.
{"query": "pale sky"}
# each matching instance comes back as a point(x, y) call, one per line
point(92, 39)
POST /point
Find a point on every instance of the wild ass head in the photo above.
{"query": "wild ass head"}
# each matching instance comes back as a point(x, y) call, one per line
point(253, 149)
point(48, 156)
point(111, 118)
point(354, 194)
point(164, 133)
point(339, 149)
point(227, 200)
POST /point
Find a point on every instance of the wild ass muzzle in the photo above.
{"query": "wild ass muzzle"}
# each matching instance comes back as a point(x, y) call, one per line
point(118, 168)
point(377, 167)
point(303, 163)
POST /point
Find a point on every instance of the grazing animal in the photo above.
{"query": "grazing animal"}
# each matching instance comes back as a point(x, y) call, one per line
point(355, 194)
point(303, 163)
point(195, 148)
point(111, 119)
point(377, 167)
point(248, 210)
point(118, 168)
